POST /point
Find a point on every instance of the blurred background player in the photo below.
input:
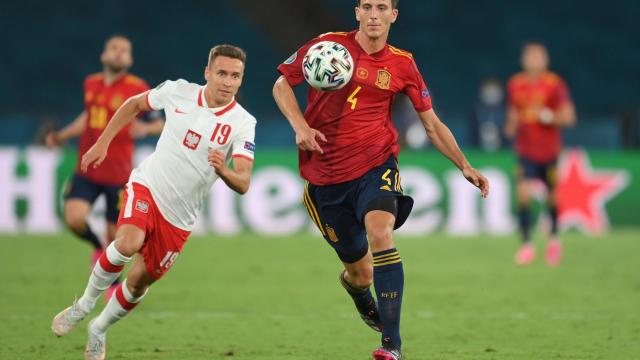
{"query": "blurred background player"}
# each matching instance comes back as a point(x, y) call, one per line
point(205, 129)
point(539, 105)
point(104, 92)
point(348, 154)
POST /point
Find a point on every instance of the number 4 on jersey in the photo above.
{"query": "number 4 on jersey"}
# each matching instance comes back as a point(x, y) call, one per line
point(352, 99)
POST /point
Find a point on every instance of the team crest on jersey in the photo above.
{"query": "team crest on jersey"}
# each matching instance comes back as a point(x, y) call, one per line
point(362, 73)
point(425, 93)
point(192, 139)
point(142, 206)
point(291, 58)
point(383, 81)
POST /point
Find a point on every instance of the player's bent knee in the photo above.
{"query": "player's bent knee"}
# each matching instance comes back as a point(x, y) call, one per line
point(380, 238)
point(129, 240)
point(76, 223)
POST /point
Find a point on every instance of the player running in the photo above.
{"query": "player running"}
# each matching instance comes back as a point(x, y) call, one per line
point(205, 129)
point(539, 105)
point(348, 154)
point(103, 94)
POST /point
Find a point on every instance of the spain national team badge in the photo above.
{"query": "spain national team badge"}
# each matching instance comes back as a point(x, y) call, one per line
point(362, 73)
point(192, 139)
point(331, 233)
point(383, 81)
point(115, 102)
point(142, 206)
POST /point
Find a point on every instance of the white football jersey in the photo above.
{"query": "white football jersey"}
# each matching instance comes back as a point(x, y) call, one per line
point(178, 173)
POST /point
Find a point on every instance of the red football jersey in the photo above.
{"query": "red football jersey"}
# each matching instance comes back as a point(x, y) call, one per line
point(101, 101)
point(535, 140)
point(357, 118)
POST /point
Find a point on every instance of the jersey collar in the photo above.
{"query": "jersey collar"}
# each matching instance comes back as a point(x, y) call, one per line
point(352, 37)
point(219, 111)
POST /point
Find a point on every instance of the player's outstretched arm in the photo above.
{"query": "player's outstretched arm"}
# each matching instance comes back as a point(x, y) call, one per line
point(443, 140)
point(306, 137)
point(74, 129)
point(125, 114)
point(239, 177)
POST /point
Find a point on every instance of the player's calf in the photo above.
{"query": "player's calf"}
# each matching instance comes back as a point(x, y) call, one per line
point(364, 301)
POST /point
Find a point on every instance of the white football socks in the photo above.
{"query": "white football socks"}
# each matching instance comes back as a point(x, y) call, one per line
point(120, 304)
point(105, 272)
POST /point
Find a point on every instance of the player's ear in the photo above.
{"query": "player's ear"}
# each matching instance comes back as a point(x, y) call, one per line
point(357, 14)
point(394, 12)
point(206, 72)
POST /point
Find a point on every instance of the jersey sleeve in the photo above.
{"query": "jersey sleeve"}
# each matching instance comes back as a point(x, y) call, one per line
point(157, 98)
point(561, 95)
point(416, 89)
point(244, 145)
point(291, 68)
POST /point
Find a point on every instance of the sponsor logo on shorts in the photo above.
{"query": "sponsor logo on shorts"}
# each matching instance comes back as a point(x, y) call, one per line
point(142, 206)
point(192, 139)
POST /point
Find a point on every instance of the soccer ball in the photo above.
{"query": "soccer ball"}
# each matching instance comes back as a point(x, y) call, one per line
point(327, 66)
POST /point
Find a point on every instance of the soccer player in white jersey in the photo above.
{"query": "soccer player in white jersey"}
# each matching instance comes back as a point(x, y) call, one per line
point(205, 130)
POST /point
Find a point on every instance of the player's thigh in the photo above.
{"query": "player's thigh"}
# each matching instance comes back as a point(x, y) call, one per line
point(112, 229)
point(129, 239)
point(379, 226)
point(138, 278)
point(162, 247)
point(332, 212)
point(76, 212)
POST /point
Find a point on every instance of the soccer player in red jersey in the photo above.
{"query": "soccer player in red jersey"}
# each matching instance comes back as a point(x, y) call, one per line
point(348, 154)
point(539, 106)
point(104, 92)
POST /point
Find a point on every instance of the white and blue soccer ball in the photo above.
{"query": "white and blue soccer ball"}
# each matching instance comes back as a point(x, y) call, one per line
point(327, 66)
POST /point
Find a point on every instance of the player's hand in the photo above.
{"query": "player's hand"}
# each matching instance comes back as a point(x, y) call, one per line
point(477, 179)
point(94, 156)
point(307, 139)
point(52, 140)
point(139, 129)
point(217, 162)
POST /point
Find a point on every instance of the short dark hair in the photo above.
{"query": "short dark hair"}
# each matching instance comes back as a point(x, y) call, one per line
point(227, 50)
point(394, 3)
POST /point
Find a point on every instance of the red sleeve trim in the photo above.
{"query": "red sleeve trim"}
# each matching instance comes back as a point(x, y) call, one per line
point(146, 98)
point(242, 156)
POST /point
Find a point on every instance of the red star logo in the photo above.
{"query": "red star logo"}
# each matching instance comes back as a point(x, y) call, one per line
point(583, 192)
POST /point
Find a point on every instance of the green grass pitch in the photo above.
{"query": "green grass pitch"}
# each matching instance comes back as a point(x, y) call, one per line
point(250, 297)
